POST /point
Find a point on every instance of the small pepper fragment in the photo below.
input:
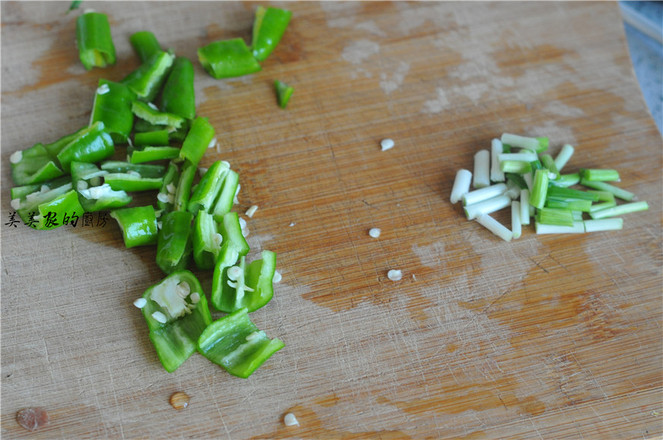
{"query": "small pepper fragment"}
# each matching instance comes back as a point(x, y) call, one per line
point(249, 286)
point(90, 144)
point(183, 190)
point(125, 176)
point(236, 344)
point(112, 106)
point(152, 138)
point(224, 202)
point(147, 79)
point(166, 196)
point(178, 95)
point(233, 247)
point(206, 240)
point(34, 165)
point(269, 26)
point(176, 313)
point(92, 193)
point(283, 93)
point(197, 140)
point(138, 224)
point(174, 241)
point(228, 58)
point(156, 117)
point(209, 188)
point(93, 37)
point(145, 44)
point(151, 153)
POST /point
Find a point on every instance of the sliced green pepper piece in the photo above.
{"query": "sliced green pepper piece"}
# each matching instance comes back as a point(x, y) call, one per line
point(150, 154)
point(112, 106)
point(20, 192)
point(146, 81)
point(138, 224)
point(166, 196)
point(176, 313)
point(33, 165)
point(91, 144)
point(52, 205)
point(154, 116)
point(228, 58)
point(124, 176)
point(236, 344)
point(206, 240)
point(174, 242)
point(283, 93)
point(224, 202)
point(183, 190)
point(269, 26)
point(233, 247)
point(178, 95)
point(145, 44)
point(152, 138)
point(197, 140)
point(93, 37)
point(93, 195)
point(209, 188)
point(249, 286)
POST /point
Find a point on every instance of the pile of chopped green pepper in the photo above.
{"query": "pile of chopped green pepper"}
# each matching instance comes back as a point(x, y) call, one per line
point(152, 112)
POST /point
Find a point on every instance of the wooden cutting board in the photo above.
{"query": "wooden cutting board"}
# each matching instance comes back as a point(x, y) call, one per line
point(544, 337)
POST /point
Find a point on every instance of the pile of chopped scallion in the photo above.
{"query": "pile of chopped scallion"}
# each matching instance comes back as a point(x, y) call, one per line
point(519, 174)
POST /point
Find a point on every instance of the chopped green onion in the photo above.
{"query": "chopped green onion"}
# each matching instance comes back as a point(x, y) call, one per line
point(602, 196)
point(606, 224)
point(602, 186)
point(487, 206)
point(594, 175)
point(523, 156)
point(524, 207)
point(539, 191)
point(549, 163)
point(577, 228)
point(481, 169)
point(543, 143)
point(560, 193)
point(496, 148)
point(527, 143)
point(555, 216)
point(495, 227)
point(574, 205)
point(620, 210)
point(515, 166)
point(517, 179)
point(566, 180)
point(516, 223)
point(461, 185)
point(563, 157)
point(479, 195)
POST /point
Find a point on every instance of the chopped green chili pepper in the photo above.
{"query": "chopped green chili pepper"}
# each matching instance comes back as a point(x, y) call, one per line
point(146, 81)
point(228, 58)
point(174, 241)
point(209, 188)
point(166, 196)
point(91, 144)
point(74, 5)
point(183, 190)
point(61, 210)
point(93, 195)
point(152, 138)
point(133, 177)
point(283, 93)
point(224, 202)
point(178, 95)
point(34, 165)
point(138, 224)
point(206, 240)
point(176, 313)
point(145, 44)
point(249, 286)
point(269, 26)
point(112, 106)
point(233, 247)
point(236, 344)
point(149, 154)
point(93, 37)
point(154, 116)
point(29, 196)
point(200, 135)
point(47, 205)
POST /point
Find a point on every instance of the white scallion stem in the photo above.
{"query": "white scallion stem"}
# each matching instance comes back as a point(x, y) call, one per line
point(527, 177)
point(516, 224)
point(605, 224)
point(524, 207)
point(495, 227)
point(523, 156)
point(563, 157)
point(577, 228)
point(487, 206)
point(461, 185)
point(479, 195)
point(481, 169)
point(496, 148)
point(520, 141)
point(626, 208)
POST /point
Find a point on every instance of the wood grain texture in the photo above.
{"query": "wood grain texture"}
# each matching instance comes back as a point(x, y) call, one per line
point(545, 337)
